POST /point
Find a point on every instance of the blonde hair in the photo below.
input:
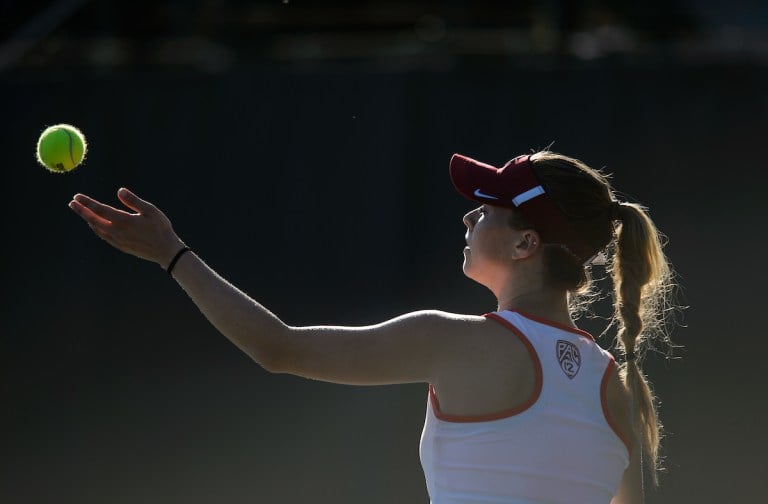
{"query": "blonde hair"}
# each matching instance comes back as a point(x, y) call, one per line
point(642, 277)
point(643, 283)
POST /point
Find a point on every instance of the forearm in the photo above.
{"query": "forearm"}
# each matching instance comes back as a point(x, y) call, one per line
point(148, 234)
point(246, 323)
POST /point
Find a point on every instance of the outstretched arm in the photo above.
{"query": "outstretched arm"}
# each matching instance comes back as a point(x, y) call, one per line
point(417, 347)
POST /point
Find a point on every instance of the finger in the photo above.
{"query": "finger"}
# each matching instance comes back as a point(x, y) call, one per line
point(133, 202)
point(106, 236)
point(88, 215)
point(100, 227)
point(104, 211)
point(100, 232)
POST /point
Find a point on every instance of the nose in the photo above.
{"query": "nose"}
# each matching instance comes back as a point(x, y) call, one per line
point(470, 218)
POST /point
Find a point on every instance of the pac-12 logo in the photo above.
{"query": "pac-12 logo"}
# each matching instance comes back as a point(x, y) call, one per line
point(569, 358)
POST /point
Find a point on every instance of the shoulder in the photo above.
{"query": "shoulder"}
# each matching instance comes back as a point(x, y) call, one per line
point(465, 339)
point(455, 336)
point(440, 318)
point(449, 326)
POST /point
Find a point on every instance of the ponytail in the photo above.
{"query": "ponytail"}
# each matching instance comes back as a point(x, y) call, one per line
point(642, 283)
point(642, 278)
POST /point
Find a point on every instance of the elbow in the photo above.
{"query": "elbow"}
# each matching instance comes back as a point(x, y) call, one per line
point(271, 361)
point(273, 355)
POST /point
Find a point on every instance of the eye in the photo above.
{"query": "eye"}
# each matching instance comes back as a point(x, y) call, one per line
point(482, 210)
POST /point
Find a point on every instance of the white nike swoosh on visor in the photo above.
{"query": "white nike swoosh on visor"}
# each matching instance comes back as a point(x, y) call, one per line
point(481, 194)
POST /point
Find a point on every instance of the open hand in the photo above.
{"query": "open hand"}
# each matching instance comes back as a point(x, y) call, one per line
point(147, 233)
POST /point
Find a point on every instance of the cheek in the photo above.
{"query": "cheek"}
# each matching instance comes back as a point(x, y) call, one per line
point(494, 247)
point(486, 262)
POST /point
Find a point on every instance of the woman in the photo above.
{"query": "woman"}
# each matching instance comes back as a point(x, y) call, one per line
point(523, 406)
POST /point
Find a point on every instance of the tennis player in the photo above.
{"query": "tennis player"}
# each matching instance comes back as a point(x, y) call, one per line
point(523, 406)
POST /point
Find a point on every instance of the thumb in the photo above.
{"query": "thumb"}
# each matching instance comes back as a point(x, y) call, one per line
point(133, 202)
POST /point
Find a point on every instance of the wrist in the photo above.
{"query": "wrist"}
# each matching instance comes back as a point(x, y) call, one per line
point(172, 263)
point(168, 251)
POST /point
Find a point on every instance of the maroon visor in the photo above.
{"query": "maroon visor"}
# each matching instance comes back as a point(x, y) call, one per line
point(516, 186)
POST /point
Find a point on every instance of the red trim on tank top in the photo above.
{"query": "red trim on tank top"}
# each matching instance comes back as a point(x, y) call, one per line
point(604, 404)
point(504, 413)
point(552, 323)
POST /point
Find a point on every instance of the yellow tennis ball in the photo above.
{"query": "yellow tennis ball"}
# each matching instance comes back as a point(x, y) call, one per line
point(61, 148)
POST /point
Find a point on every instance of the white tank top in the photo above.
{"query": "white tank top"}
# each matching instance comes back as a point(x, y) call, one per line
point(561, 446)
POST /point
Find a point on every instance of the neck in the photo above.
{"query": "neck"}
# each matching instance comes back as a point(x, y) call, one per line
point(546, 303)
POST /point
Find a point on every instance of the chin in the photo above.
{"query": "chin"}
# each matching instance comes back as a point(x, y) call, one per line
point(467, 269)
point(473, 273)
point(470, 267)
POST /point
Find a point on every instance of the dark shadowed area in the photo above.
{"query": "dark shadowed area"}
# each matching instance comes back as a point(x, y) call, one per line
point(301, 149)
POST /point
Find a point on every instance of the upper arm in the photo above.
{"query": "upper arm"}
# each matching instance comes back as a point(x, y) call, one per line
point(415, 347)
point(619, 402)
point(631, 487)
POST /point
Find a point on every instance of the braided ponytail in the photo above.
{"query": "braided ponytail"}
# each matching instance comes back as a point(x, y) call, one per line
point(642, 282)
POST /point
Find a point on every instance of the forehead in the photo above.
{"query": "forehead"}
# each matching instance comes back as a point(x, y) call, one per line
point(512, 217)
point(496, 209)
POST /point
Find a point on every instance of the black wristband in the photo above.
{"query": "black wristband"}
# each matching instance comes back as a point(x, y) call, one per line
point(180, 253)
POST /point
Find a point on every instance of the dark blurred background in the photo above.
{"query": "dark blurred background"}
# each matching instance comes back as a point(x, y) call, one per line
point(301, 148)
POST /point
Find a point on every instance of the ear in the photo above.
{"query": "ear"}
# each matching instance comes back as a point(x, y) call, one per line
point(527, 243)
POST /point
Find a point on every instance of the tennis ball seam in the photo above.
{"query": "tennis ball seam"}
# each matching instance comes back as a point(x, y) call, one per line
point(71, 154)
